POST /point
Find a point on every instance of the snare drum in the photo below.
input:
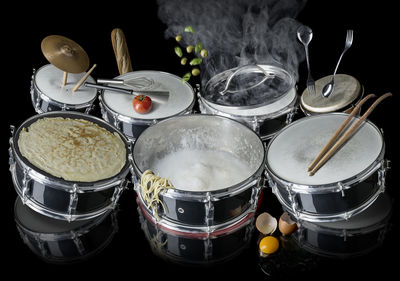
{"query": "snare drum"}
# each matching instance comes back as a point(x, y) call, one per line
point(48, 94)
point(265, 107)
point(342, 187)
point(117, 108)
point(59, 198)
point(220, 202)
point(346, 93)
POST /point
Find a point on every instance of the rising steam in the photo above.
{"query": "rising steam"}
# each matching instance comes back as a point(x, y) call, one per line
point(237, 32)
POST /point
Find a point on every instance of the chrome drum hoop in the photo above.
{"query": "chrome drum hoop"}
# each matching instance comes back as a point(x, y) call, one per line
point(43, 103)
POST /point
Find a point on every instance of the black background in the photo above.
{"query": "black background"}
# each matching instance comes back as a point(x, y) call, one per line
point(373, 60)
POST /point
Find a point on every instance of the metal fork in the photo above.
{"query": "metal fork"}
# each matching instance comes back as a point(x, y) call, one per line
point(328, 88)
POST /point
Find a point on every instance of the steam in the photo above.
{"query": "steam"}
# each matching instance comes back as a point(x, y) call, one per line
point(237, 32)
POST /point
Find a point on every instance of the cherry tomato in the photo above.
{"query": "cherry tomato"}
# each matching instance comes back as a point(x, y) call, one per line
point(142, 104)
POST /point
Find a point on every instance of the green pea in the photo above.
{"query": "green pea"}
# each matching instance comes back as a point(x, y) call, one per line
point(195, 71)
point(183, 61)
point(203, 53)
point(189, 49)
point(178, 38)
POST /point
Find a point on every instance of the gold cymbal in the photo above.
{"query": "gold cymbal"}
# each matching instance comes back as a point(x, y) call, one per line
point(65, 54)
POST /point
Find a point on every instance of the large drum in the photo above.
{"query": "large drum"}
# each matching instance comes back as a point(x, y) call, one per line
point(215, 164)
point(346, 185)
point(266, 105)
point(117, 108)
point(55, 196)
point(48, 93)
point(347, 92)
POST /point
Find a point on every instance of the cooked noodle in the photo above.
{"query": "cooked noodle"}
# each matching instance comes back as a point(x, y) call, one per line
point(151, 186)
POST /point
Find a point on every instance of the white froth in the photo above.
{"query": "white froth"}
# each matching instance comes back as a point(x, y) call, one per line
point(201, 170)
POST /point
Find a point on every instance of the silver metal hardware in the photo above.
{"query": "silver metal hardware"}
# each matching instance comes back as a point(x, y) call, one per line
point(181, 211)
point(73, 202)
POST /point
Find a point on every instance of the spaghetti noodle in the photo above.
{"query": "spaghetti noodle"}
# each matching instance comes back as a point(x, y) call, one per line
point(151, 186)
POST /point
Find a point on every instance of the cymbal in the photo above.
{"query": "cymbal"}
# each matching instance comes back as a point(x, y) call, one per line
point(65, 54)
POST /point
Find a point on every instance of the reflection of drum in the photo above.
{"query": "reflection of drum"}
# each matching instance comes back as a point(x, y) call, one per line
point(48, 94)
point(117, 108)
point(59, 241)
point(343, 239)
point(196, 248)
point(348, 183)
point(58, 198)
point(265, 118)
point(201, 210)
point(346, 93)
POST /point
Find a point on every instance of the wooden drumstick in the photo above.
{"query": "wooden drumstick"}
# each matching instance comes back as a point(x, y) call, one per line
point(121, 51)
point(349, 133)
point(65, 77)
point(83, 79)
point(338, 131)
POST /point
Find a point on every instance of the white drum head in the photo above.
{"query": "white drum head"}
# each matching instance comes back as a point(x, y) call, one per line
point(271, 108)
point(48, 80)
point(294, 148)
point(347, 90)
point(181, 95)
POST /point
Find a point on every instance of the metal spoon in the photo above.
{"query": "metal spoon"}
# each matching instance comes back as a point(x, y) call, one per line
point(328, 88)
point(305, 34)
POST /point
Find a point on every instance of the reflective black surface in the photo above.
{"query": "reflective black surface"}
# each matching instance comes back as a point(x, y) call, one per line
point(373, 60)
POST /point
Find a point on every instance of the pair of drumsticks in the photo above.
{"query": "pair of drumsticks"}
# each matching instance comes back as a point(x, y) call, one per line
point(331, 147)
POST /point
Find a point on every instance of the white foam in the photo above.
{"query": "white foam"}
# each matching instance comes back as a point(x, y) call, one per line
point(201, 170)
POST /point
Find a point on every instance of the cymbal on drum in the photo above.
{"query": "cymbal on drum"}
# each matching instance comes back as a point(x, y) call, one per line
point(65, 54)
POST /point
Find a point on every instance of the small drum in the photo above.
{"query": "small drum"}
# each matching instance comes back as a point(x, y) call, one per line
point(48, 94)
point(216, 165)
point(347, 239)
point(58, 241)
point(345, 95)
point(269, 113)
point(62, 199)
point(117, 108)
point(339, 189)
point(197, 248)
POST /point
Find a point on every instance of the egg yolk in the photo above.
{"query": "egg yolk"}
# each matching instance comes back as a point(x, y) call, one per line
point(269, 244)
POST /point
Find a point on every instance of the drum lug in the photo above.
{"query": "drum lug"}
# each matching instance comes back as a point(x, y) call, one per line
point(255, 125)
point(73, 202)
point(11, 160)
point(255, 192)
point(291, 114)
point(293, 201)
point(209, 208)
point(25, 185)
point(117, 192)
point(385, 166)
point(341, 188)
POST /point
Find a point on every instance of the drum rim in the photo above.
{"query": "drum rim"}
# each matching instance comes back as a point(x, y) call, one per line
point(203, 195)
point(48, 99)
point(58, 183)
point(262, 117)
point(333, 186)
point(133, 120)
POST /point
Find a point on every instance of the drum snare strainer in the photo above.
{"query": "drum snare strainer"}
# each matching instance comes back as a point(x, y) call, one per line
point(48, 93)
point(353, 176)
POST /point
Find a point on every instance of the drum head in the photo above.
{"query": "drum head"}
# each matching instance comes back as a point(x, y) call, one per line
point(293, 149)
point(48, 79)
point(181, 95)
point(347, 90)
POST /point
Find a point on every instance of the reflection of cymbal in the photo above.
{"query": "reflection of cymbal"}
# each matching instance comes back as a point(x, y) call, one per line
point(65, 54)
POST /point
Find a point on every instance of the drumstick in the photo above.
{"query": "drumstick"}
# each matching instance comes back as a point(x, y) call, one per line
point(83, 79)
point(347, 135)
point(65, 77)
point(338, 131)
